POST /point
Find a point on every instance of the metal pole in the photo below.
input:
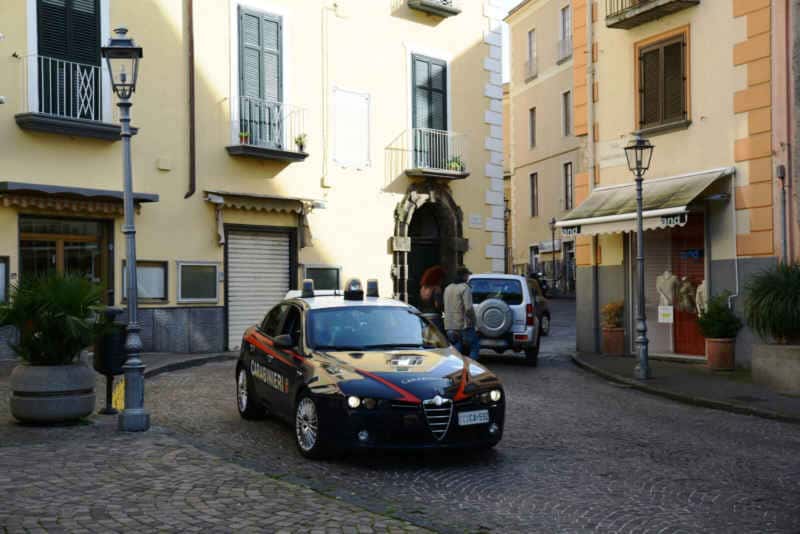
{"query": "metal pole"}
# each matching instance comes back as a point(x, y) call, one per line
point(784, 222)
point(642, 371)
point(553, 249)
point(133, 418)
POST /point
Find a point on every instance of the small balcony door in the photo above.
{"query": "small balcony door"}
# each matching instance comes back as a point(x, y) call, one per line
point(68, 63)
point(260, 79)
point(430, 140)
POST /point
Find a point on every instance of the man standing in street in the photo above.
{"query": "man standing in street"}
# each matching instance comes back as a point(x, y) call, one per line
point(459, 315)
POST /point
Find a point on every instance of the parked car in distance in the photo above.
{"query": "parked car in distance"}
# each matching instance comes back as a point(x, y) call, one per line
point(505, 309)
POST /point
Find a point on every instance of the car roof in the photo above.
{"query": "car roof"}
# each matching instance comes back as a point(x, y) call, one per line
point(499, 276)
point(338, 301)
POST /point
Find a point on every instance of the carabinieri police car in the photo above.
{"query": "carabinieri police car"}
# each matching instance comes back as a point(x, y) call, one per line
point(350, 370)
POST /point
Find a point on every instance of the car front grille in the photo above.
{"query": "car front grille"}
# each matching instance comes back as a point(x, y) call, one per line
point(438, 416)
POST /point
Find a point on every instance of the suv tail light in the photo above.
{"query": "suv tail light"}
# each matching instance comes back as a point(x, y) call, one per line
point(529, 314)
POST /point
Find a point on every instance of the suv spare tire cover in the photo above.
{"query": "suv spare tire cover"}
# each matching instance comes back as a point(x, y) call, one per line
point(494, 317)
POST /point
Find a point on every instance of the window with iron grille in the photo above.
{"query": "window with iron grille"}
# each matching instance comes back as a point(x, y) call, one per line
point(663, 83)
point(68, 63)
point(568, 186)
point(534, 194)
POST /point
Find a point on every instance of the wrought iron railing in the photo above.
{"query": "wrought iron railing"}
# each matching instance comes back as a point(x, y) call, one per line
point(270, 124)
point(565, 48)
point(532, 67)
point(614, 8)
point(62, 88)
point(430, 150)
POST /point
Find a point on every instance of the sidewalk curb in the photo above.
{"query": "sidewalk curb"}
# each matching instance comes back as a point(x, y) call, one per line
point(686, 399)
point(188, 364)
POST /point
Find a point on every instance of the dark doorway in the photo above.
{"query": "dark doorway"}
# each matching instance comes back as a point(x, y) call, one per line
point(426, 245)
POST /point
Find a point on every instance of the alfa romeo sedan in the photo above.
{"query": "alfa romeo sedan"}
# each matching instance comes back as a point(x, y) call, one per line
point(350, 370)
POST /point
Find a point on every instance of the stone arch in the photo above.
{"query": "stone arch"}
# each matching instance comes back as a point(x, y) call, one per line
point(450, 219)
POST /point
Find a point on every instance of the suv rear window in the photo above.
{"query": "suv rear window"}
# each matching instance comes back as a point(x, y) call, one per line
point(507, 290)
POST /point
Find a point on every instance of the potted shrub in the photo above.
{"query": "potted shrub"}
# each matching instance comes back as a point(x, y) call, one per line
point(772, 310)
point(55, 320)
point(244, 138)
point(613, 332)
point(719, 325)
point(456, 164)
point(300, 141)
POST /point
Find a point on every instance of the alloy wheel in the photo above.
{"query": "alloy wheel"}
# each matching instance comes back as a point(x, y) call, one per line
point(241, 390)
point(306, 424)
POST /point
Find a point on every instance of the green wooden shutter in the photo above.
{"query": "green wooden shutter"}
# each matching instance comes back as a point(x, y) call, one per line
point(674, 82)
point(430, 93)
point(650, 87)
point(69, 30)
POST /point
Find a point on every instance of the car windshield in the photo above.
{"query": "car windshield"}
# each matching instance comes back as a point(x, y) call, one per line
point(371, 327)
point(507, 290)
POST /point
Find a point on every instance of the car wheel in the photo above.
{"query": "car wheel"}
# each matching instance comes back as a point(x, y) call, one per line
point(545, 325)
point(310, 441)
point(532, 357)
point(246, 400)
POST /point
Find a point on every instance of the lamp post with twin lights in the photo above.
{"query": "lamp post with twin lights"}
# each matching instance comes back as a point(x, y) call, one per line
point(122, 57)
point(639, 153)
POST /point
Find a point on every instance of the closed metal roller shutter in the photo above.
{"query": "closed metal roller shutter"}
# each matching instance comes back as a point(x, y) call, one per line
point(258, 278)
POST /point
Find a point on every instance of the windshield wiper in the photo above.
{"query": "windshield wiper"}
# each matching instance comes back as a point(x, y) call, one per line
point(394, 346)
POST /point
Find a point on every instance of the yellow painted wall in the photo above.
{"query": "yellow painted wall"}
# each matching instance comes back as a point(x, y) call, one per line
point(368, 45)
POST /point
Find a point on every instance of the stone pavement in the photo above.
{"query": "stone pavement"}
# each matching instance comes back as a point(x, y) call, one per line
point(695, 383)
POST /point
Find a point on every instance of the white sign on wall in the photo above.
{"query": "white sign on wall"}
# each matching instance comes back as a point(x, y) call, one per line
point(666, 314)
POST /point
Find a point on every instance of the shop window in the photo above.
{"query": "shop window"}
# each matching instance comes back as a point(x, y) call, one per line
point(197, 282)
point(151, 280)
point(325, 277)
point(662, 84)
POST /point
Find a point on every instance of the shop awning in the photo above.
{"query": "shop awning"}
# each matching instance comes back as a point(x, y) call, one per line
point(66, 198)
point(666, 202)
point(257, 202)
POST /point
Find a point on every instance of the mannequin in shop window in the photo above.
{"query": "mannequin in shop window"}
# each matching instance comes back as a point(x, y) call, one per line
point(686, 295)
point(666, 285)
point(701, 298)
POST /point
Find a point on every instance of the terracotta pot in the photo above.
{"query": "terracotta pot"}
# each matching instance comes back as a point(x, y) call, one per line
point(613, 341)
point(720, 353)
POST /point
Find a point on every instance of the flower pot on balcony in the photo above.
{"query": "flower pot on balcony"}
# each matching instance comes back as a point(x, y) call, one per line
point(720, 354)
point(613, 341)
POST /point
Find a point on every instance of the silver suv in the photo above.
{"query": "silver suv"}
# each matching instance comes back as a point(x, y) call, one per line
point(506, 314)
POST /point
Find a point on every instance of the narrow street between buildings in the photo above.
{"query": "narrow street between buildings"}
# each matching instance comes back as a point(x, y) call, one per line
point(579, 454)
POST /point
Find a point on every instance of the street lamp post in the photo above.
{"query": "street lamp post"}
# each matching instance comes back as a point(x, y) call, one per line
point(122, 57)
point(639, 153)
point(553, 248)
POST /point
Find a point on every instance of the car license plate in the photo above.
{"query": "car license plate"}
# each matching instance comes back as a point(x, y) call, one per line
point(478, 417)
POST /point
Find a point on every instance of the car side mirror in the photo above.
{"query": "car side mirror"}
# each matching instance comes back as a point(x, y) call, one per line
point(284, 341)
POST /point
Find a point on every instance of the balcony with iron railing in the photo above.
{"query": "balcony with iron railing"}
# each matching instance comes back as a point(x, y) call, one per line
point(442, 8)
point(627, 14)
point(531, 68)
point(65, 97)
point(267, 129)
point(427, 153)
point(564, 49)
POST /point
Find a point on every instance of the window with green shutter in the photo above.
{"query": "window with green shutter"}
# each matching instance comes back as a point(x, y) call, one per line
point(662, 83)
point(68, 35)
point(429, 115)
point(260, 78)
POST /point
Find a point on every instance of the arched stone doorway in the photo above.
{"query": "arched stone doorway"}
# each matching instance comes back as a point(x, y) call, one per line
point(428, 231)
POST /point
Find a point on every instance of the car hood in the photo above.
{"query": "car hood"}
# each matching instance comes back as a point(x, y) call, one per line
point(408, 375)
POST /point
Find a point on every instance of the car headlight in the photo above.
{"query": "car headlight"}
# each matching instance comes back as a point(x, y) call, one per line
point(353, 402)
point(495, 395)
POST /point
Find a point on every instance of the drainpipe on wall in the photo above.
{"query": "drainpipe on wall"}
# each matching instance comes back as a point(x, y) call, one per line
point(590, 156)
point(192, 117)
point(788, 188)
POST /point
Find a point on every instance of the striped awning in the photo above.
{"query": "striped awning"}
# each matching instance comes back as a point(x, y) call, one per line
point(67, 199)
point(666, 203)
point(257, 202)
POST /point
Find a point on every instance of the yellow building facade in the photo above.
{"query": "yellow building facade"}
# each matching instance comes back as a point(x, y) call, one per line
point(702, 80)
point(277, 140)
point(546, 155)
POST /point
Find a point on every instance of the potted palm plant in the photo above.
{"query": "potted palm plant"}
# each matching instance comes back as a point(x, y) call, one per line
point(300, 141)
point(720, 325)
point(613, 332)
point(772, 310)
point(55, 320)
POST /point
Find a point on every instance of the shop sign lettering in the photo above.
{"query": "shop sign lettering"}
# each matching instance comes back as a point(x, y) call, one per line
point(571, 231)
point(674, 220)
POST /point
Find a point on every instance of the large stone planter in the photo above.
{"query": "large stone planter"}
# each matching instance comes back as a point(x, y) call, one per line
point(721, 354)
point(51, 393)
point(777, 367)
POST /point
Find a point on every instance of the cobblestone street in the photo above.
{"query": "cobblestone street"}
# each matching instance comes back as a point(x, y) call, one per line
point(579, 454)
